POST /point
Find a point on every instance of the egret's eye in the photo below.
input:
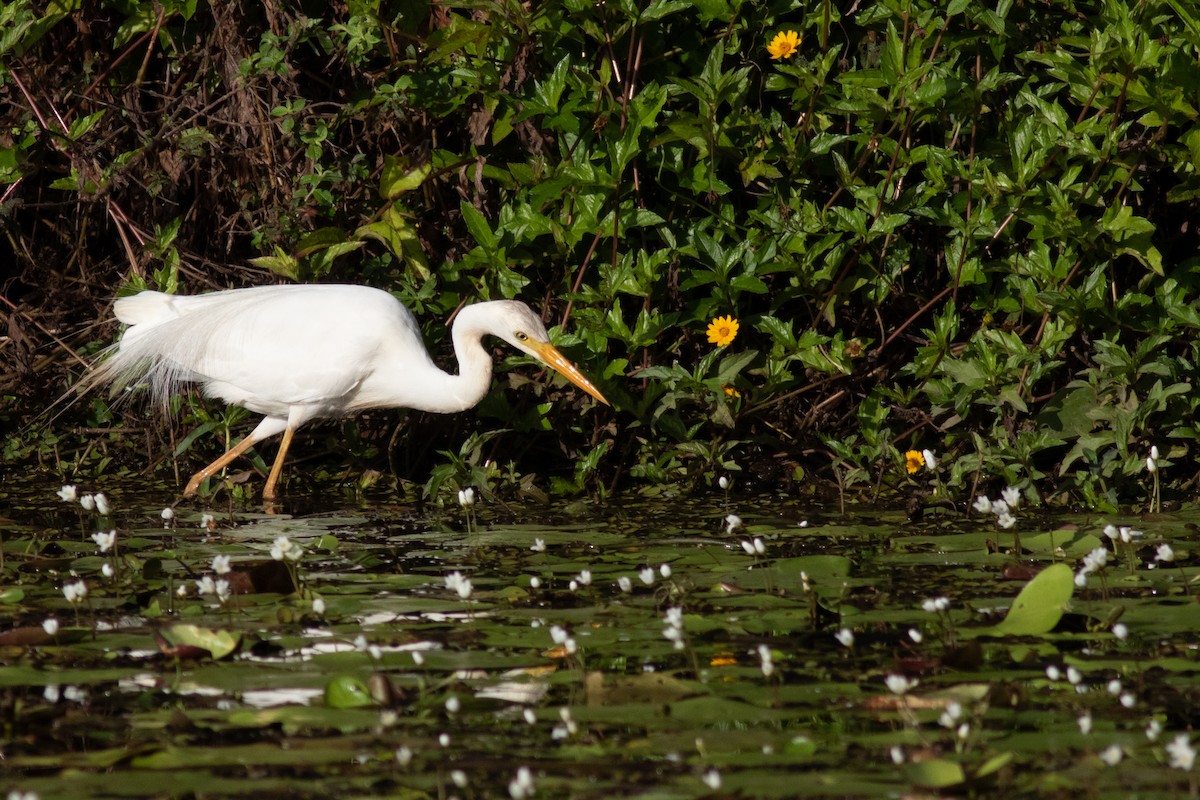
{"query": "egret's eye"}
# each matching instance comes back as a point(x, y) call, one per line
point(522, 336)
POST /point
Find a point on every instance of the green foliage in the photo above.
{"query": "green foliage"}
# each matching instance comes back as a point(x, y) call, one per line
point(964, 227)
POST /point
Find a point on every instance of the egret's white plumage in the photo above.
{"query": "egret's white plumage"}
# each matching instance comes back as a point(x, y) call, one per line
point(298, 353)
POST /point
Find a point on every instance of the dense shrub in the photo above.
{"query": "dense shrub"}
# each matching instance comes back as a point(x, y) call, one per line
point(966, 227)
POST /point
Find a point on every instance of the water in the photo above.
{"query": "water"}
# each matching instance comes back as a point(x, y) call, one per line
point(636, 649)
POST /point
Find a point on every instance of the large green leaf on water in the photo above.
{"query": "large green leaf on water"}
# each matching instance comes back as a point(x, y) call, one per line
point(1039, 606)
point(219, 643)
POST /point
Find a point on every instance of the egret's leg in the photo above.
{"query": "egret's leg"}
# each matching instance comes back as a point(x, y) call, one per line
point(218, 465)
point(277, 467)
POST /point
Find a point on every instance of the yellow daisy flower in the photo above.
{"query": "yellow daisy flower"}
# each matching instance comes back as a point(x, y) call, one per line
point(722, 330)
point(913, 461)
point(785, 44)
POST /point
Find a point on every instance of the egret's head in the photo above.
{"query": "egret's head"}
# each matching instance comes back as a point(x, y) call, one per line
point(515, 323)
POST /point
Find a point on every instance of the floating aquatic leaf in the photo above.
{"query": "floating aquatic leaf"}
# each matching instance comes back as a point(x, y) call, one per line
point(935, 773)
point(216, 642)
point(347, 691)
point(1040, 605)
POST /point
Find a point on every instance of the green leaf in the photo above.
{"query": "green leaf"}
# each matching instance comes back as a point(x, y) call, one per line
point(935, 773)
point(397, 177)
point(219, 643)
point(347, 691)
point(1040, 605)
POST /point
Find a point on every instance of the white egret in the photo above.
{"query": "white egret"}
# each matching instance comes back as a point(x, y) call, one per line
point(303, 352)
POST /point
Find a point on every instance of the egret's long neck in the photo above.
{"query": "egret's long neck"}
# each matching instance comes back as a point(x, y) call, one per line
point(474, 378)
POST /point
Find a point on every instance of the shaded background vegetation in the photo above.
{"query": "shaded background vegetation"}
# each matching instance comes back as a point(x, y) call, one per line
point(964, 227)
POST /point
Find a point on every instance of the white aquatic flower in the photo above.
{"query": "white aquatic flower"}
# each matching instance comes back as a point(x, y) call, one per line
point(418, 658)
point(1151, 466)
point(559, 634)
point(930, 461)
point(1114, 686)
point(712, 779)
point(521, 786)
point(573, 585)
point(280, 547)
point(950, 717)
point(444, 739)
point(404, 755)
point(1182, 754)
point(1153, 730)
point(999, 507)
point(466, 497)
point(664, 570)
point(1129, 535)
point(768, 660)
point(1006, 520)
point(760, 547)
point(538, 546)
point(1154, 452)
point(88, 502)
point(50, 626)
point(1121, 631)
point(1085, 723)
point(1074, 676)
point(1127, 700)
point(530, 716)
point(963, 731)
point(732, 522)
point(68, 493)
point(106, 569)
point(899, 684)
point(220, 565)
point(1111, 532)
point(1112, 755)
point(76, 694)
point(167, 514)
point(206, 585)
point(935, 604)
point(625, 584)
point(748, 546)
point(1164, 553)
point(897, 754)
point(983, 505)
point(459, 583)
point(223, 590)
point(585, 577)
point(1093, 561)
point(647, 575)
point(1053, 673)
point(105, 541)
point(453, 704)
point(459, 778)
point(208, 521)
point(102, 506)
point(51, 694)
point(1012, 496)
point(845, 636)
point(723, 482)
point(75, 592)
point(318, 606)
point(916, 635)
point(535, 582)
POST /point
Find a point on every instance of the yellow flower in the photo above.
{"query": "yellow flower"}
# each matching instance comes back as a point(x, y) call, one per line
point(785, 44)
point(722, 330)
point(913, 461)
point(732, 392)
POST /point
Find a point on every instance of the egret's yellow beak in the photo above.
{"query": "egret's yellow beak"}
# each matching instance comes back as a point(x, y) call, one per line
point(549, 354)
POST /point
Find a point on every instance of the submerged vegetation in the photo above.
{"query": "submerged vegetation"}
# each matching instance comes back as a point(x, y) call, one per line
point(787, 239)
